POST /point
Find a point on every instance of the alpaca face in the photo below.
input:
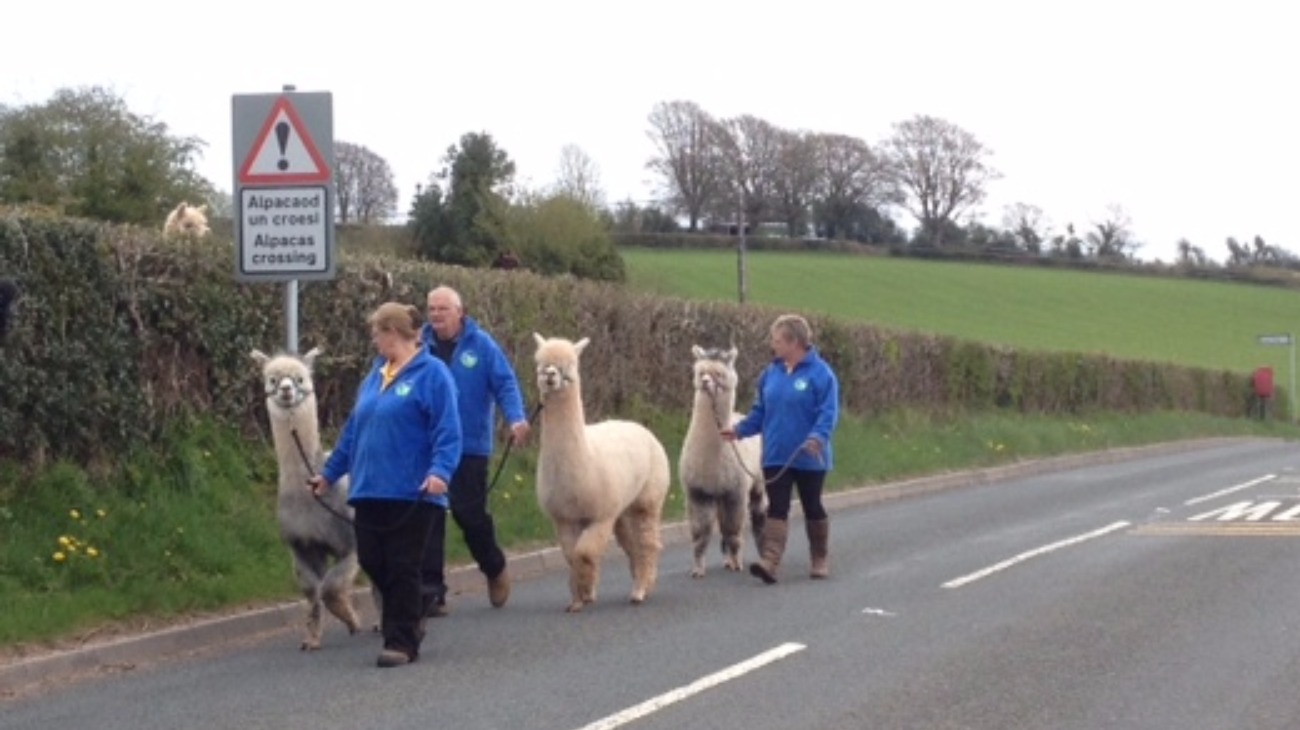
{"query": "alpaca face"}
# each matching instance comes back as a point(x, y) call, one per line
point(286, 378)
point(714, 370)
point(557, 363)
point(187, 219)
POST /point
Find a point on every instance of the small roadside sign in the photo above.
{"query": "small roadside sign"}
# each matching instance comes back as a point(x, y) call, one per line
point(1275, 340)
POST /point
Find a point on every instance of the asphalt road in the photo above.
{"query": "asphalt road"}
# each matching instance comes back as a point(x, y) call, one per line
point(1156, 593)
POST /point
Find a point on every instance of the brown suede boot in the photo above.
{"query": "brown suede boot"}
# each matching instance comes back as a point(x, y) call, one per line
point(770, 548)
point(819, 536)
point(499, 589)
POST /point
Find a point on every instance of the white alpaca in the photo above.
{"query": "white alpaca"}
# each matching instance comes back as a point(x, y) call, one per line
point(720, 479)
point(186, 219)
point(596, 480)
point(323, 545)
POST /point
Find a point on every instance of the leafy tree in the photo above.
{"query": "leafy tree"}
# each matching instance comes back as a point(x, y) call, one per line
point(852, 179)
point(86, 153)
point(940, 169)
point(684, 135)
point(558, 234)
point(462, 217)
point(364, 184)
point(796, 180)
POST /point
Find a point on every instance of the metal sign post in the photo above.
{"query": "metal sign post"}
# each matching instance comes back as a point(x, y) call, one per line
point(1284, 340)
point(284, 192)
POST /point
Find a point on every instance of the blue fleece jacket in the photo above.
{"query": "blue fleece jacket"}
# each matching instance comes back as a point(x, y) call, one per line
point(484, 380)
point(398, 436)
point(792, 408)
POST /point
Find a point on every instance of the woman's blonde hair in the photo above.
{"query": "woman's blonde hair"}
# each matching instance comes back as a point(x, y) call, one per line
point(793, 327)
point(404, 319)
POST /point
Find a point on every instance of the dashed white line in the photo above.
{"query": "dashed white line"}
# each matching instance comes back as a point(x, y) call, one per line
point(658, 703)
point(959, 582)
point(1229, 490)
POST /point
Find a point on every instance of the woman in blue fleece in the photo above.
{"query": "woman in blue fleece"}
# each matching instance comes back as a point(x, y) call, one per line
point(399, 447)
point(796, 411)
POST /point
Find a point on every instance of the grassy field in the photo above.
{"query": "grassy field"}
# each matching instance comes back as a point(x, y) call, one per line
point(1207, 324)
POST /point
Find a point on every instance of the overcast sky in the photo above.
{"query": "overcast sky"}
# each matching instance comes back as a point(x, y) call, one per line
point(1184, 116)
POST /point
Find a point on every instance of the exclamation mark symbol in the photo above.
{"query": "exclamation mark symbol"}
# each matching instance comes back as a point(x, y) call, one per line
point(282, 136)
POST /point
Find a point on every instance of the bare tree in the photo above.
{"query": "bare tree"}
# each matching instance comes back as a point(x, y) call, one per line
point(579, 178)
point(1112, 238)
point(364, 182)
point(748, 151)
point(683, 134)
point(1027, 225)
point(941, 170)
point(852, 178)
point(796, 180)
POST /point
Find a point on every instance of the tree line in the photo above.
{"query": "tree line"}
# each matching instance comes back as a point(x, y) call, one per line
point(85, 153)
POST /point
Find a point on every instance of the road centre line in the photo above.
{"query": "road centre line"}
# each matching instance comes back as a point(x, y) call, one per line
point(972, 577)
point(1229, 490)
point(658, 703)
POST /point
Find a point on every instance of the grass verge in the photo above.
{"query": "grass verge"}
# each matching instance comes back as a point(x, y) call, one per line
point(191, 528)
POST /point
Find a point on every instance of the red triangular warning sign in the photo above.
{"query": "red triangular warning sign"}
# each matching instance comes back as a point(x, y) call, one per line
point(283, 152)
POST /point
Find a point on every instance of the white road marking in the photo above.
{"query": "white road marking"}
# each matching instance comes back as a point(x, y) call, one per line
point(1229, 490)
point(658, 703)
point(959, 582)
point(878, 612)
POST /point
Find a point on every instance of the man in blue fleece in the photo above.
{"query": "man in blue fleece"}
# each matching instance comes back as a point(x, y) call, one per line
point(399, 447)
point(796, 410)
point(485, 380)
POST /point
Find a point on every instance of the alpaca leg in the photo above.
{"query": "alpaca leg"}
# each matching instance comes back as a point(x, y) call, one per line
point(757, 509)
point(625, 531)
point(643, 536)
point(309, 571)
point(701, 509)
point(731, 523)
point(569, 533)
point(336, 592)
point(587, 554)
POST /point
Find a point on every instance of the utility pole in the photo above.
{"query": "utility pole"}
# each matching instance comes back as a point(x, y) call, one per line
point(741, 282)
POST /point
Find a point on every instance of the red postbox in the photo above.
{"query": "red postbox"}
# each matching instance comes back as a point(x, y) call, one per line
point(1264, 382)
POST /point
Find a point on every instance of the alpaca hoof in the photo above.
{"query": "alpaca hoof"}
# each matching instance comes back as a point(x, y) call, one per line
point(697, 572)
point(731, 564)
point(575, 607)
point(309, 645)
point(637, 597)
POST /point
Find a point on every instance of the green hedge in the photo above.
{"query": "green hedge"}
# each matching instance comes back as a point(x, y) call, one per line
point(120, 334)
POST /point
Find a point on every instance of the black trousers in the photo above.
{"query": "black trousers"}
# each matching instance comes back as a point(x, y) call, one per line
point(391, 535)
point(779, 492)
point(469, 503)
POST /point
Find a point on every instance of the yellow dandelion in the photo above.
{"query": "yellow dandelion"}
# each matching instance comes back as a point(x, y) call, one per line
point(506, 496)
point(74, 514)
point(59, 557)
point(101, 514)
point(519, 477)
point(64, 540)
point(72, 549)
point(92, 552)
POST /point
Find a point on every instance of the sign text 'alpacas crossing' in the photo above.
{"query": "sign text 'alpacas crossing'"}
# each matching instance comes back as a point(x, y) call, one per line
point(284, 218)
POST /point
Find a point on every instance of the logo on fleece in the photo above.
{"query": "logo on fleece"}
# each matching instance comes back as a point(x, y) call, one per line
point(800, 384)
point(403, 389)
point(468, 358)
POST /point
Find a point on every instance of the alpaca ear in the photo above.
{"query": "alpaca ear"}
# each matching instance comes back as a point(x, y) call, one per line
point(311, 355)
point(259, 356)
point(697, 351)
point(202, 208)
point(731, 355)
point(540, 340)
point(580, 345)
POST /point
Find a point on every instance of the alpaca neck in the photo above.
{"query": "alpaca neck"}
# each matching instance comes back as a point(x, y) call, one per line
point(712, 412)
point(563, 420)
point(284, 424)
